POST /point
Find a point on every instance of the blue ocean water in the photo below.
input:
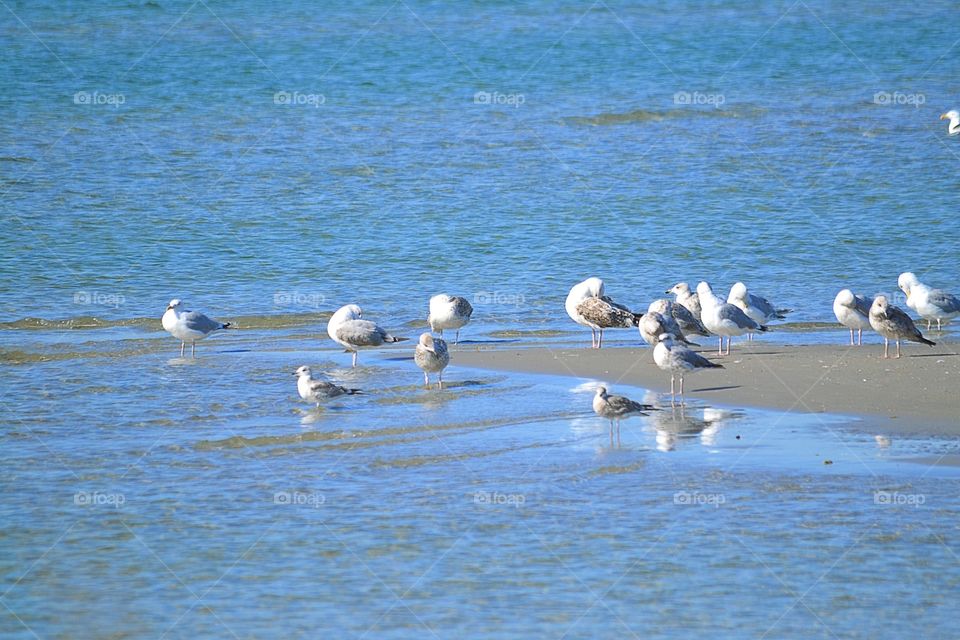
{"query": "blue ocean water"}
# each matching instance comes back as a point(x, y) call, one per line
point(269, 162)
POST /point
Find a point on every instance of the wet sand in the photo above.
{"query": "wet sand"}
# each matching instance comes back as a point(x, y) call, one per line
point(919, 393)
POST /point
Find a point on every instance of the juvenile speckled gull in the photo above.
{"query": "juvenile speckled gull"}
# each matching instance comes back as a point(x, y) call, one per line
point(317, 391)
point(188, 326)
point(723, 318)
point(679, 360)
point(931, 304)
point(449, 312)
point(893, 324)
point(853, 311)
point(687, 299)
point(615, 408)
point(347, 328)
point(589, 288)
point(587, 305)
point(432, 356)
point(653, 324)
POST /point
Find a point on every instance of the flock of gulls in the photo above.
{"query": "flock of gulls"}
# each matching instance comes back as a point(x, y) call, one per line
point(666, 325)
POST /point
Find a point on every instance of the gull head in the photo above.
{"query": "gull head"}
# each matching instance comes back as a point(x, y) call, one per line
point(176, 303)
point(845, 298)
point(302, 372)
point(666, 339)
point(880, 305)
point(906, 281)
point(593, 286)
point(426, 341)
point(704, 289)
point(738, 291)
point(681, 288)
point(951, 115)
point(602, 392)
point(346, 312)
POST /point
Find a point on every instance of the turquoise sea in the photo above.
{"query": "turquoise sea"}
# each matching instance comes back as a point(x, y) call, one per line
point(269, 162)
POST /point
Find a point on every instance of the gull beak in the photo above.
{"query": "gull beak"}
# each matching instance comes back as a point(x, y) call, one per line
point(669, 291)
point(943, 116)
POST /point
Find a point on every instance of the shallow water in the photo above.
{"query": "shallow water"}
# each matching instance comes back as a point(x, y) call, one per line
point(144, 492)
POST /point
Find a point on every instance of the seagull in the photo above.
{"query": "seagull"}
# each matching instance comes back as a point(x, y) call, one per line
point(615, 408)
point(318, 390)
point(589, 288)
point(432, 356)
point(893, 324)
point(685, 319)
point(686, 298)
point(449, 312)
point(653, 324)
point(953, 128)
point(853, 311)
point(723, 318)
point(347, 328)
point(188, 326)
point(931, 304)
point(678, 360)
point(757, 308)
point(587, 305)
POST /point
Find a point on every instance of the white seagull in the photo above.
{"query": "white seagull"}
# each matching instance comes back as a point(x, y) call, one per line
point(317, 391)
point(757, 308)
point(893, 324)
point(853, 311)
point(931, 304)
point(678, 360)
point(188, 326)
point(449, 312)
point(432, 356)
point(347, 328)
point(723, 318)
point(953, 127)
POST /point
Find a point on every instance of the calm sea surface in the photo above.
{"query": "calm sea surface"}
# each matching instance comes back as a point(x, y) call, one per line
point(268, 162)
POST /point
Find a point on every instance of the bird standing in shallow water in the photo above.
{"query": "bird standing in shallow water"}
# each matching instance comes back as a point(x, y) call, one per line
point(317, 391)
point(347, 328)
point(432, 356)
point(449, 312)
point(616, 408)
point(188, 326)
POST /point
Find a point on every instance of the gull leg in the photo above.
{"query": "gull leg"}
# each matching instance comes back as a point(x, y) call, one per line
point(600, 341)
point(426, 379)
point(886, 346)
point(681, 390)
point(593, 338)
point(671, 387)
point(354, 358)
point(928, 325)
point(182, 345)
point(859, 337)
point(938, 325)
point(440, 380)
point(193, 349)
point(898, 348)
point(618, 433)
point(720, 351)
point(456, 340)
point(729, 342)
point(851, 336)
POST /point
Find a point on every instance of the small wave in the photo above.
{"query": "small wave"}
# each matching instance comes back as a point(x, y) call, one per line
point(647, 115)
point(267, 321)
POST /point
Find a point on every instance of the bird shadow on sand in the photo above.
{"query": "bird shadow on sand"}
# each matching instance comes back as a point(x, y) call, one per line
point(931, 355)
point(706, 389)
